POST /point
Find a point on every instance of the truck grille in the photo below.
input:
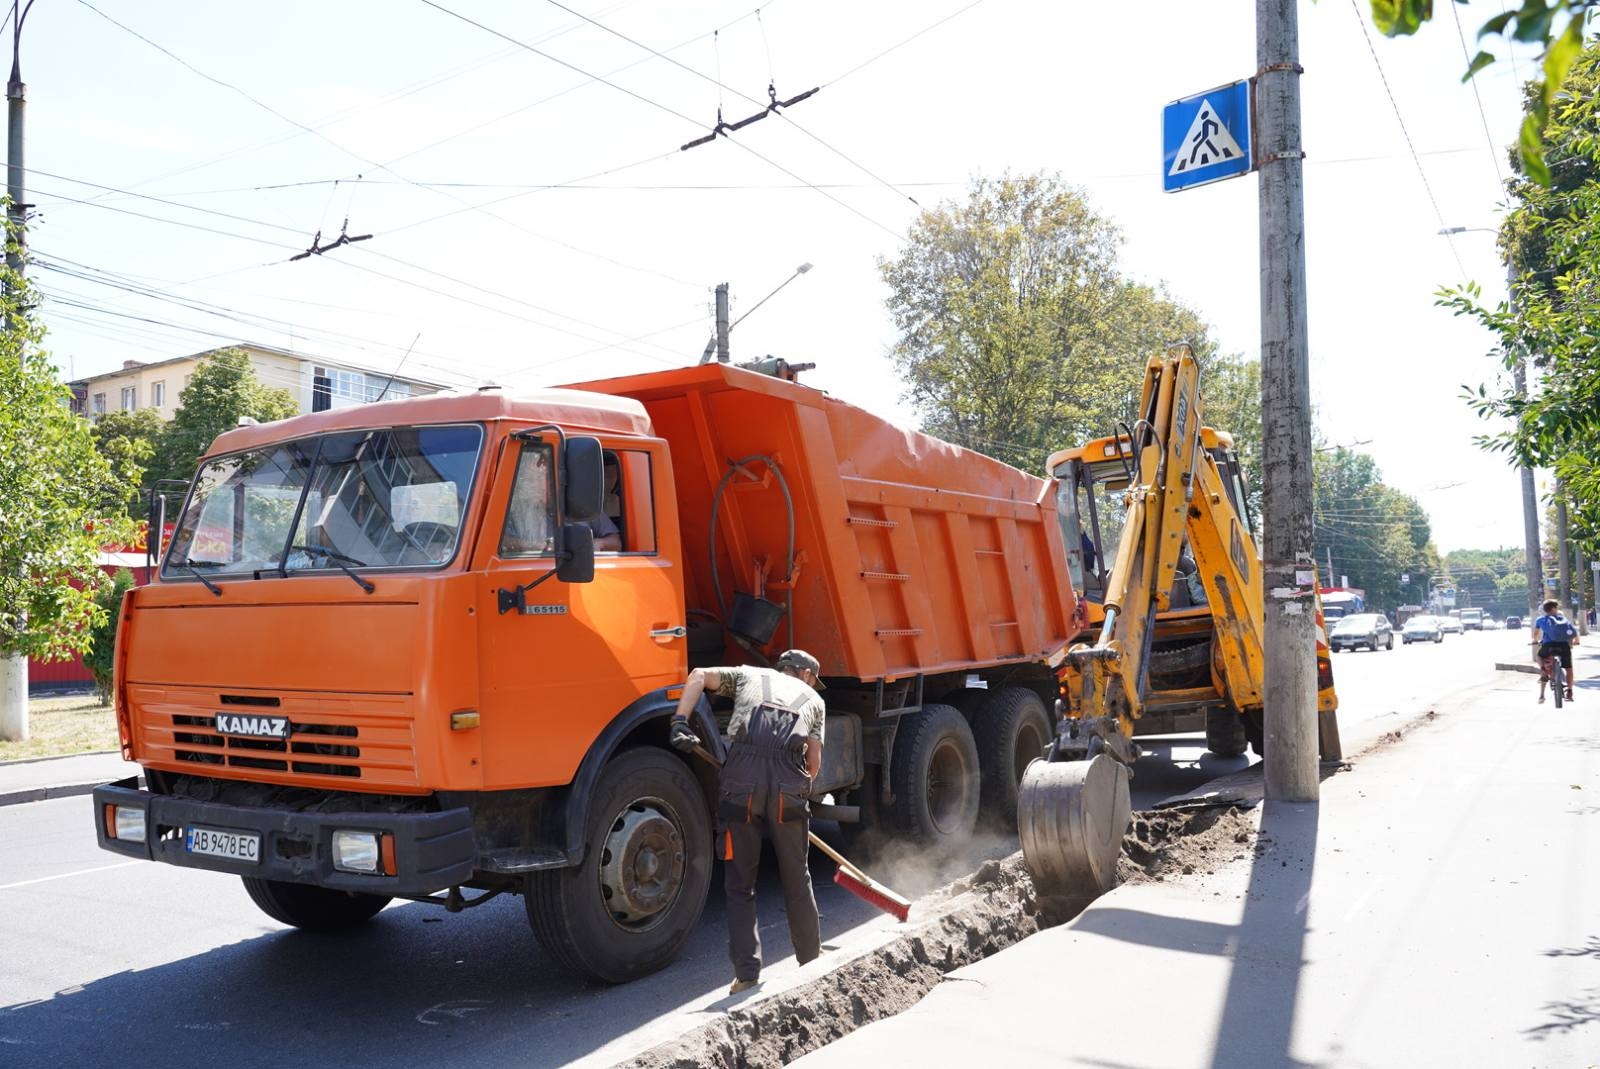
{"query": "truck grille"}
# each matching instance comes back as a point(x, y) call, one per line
point(337, 737)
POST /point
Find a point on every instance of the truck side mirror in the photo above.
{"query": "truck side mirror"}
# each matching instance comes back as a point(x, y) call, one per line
point(583, 480)
point(575, 555)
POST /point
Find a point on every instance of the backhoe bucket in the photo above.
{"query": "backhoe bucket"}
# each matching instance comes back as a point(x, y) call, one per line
point(1071, 816)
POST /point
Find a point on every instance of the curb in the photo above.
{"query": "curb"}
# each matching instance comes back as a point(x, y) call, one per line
point(1502, 666)
point(40, 794)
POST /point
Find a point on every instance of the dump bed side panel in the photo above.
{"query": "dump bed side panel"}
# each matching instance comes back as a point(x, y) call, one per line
point(912, 555)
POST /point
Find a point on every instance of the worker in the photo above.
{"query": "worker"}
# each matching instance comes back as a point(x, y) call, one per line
point(774, 752)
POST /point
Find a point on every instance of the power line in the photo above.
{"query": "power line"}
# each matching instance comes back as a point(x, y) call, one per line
point(836, 79)
point(771, 107)
point(1354, 6)
point(1493, 154)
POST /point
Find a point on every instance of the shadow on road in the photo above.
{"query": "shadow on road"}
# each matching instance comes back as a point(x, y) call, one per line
point(415, 987)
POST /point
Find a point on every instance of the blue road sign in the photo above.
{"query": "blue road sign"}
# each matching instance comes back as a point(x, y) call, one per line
point(1206, 137)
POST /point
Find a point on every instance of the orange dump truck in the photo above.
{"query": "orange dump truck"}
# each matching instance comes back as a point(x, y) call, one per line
point(427, 649)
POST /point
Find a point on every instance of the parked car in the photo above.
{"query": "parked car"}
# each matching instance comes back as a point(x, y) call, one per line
point(1369, 629)
point(1513, 622)
point(1450, 624)
point(1422, 629)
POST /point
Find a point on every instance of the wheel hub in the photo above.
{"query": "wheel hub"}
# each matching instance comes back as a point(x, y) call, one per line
point(641, 864)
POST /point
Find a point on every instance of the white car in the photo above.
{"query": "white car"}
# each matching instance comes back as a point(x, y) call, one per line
point(1422, 629)
point(1450, 625)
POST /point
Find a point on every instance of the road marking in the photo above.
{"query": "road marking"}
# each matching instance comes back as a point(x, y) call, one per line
point(457, 1010)
point(67, 875)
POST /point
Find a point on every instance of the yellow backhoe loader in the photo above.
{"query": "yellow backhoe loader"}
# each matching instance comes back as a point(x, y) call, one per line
point(1161, 551)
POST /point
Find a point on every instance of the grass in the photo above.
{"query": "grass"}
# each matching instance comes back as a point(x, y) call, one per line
point(57, 727)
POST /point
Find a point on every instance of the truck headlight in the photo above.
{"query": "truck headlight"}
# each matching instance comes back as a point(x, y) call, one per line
point(126, 823)
point(356, 851)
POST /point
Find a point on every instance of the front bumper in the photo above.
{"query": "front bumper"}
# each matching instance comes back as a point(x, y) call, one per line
point(433, 851)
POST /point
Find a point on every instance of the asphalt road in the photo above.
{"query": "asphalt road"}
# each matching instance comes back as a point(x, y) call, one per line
point(106, 961)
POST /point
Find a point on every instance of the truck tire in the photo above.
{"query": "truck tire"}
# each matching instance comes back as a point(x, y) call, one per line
point(1225, 732)
point(1011, 729)
point(312, 909)
point(1255, 729)
point(627, 910)
point(934, 776)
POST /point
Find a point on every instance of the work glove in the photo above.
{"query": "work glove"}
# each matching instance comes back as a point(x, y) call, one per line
point(681, 738)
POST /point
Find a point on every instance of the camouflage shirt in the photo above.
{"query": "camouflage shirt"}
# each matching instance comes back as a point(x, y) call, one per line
point(744, 686)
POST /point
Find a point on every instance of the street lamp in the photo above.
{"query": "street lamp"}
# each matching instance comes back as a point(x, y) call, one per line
point(717, 345)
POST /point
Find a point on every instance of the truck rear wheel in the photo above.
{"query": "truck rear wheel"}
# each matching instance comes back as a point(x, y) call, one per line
point(627, 910)
point(314, 909)
point(1011, 730)
point(1225, 732)
point(934, 777)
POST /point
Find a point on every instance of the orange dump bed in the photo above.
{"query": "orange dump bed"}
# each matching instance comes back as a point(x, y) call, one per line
point(911, 555)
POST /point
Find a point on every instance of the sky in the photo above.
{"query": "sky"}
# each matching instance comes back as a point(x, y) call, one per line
point(534, 221)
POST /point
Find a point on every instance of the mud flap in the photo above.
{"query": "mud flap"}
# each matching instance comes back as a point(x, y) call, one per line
point(1071, 817)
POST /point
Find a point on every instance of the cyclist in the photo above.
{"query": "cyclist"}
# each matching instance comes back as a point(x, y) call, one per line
point(1555, 636)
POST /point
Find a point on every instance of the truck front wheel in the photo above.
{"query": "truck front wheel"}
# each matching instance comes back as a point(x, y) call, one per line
point(315, 909)
point(627, 910)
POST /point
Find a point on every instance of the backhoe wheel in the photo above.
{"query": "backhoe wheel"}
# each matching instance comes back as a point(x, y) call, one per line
point(934, 777)
point(1255, 729)
point(1071, 818)
point(1225, 733)
point(1011, 730)
point(313, 909)
point(636, 898)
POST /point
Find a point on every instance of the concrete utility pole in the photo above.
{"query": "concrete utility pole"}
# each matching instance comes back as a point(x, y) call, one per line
point(1531, 549)
point(14, 666)
point(1290, 691)
point(722, 323)
point(1580, 567)
point(1563, 550)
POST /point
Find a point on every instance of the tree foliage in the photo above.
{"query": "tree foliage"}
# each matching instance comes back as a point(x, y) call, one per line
point(1552, 240)
point(1558, 25)
point(222, 389)
point(1018, 335)
point(59, 498)
point(127, 440)
point(101, 655)
point(1375, 533)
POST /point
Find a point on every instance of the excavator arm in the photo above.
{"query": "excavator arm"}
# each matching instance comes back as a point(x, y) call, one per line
point(1074, 806)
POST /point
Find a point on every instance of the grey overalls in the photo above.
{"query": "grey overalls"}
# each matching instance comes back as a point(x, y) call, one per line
point(763, 785)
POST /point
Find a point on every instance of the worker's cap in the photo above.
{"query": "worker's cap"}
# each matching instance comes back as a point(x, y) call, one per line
point(800, 659)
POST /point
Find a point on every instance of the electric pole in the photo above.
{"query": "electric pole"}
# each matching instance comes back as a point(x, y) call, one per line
point(722, 323)
point(1288, 561)
point(1563, 550)
point(13, 665)
point(1532, 555)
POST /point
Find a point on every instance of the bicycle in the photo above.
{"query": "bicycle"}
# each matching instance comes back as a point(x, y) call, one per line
point(1552, 671)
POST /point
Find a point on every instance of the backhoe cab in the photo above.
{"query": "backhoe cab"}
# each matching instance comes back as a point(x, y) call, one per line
point(1160, 547)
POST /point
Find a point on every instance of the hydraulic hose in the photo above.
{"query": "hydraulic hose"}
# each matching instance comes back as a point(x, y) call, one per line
point(734, 467)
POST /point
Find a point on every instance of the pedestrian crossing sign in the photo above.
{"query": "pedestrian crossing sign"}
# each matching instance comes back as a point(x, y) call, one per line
point(1206, 137)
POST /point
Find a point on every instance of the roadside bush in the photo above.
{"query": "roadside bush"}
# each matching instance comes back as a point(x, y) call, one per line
point(104, 633)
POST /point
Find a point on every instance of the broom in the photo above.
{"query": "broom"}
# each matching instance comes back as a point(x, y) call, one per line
point(846, 875)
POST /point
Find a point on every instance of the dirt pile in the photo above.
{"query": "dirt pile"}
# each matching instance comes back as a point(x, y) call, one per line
point(1184, 841)
point(967, 921)
point(955, 925)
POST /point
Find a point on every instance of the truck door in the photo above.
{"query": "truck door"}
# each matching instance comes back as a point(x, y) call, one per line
point(556, 671)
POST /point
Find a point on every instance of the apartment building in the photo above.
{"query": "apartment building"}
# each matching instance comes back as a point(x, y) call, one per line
point(315, 384)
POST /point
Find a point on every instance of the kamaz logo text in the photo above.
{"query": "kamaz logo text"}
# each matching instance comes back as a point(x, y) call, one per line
point(254, 727)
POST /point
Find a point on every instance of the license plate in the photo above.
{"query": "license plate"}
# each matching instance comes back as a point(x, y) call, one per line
point(220, 842)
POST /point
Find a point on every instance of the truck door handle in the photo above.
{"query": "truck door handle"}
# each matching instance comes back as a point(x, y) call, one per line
point(662, 634)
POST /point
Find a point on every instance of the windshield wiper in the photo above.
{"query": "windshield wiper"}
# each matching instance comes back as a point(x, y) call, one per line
point(193, 568)
point(340, 561)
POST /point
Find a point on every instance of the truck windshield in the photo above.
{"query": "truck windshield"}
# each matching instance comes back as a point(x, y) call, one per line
point(390, 498)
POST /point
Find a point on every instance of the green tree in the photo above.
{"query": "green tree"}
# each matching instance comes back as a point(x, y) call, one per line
point(127, 439)
point(1552, 239)
point(58, 500)
point(222, 389)
point(103, 634)
point(1230, 387)
point(1018, 336)
point(1375, 533)
point(1558, 25)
